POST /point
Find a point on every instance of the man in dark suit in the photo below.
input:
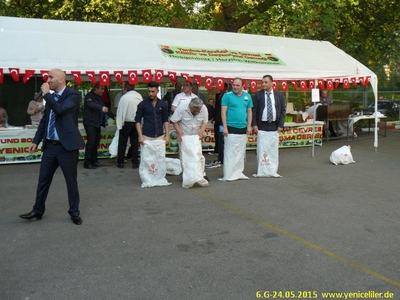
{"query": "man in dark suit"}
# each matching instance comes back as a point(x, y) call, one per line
point(59, 133)
point(269, 110)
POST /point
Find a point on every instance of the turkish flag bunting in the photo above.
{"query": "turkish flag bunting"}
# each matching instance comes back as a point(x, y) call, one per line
point(346, 83)
point(231, 80)
point(245, 84)
point(220, 83)
point(303, 85)
point(133, 77)
point(1, 75)
point(294, 83)
point(172, 77)
point(209, 82)
point(104, 77)
point(28, 74)
point(329, 84)
point(284, 85)
point(337, 82)
point(118, 75)
point(158, 75)
point(45, 75)
point(77, 76)
point(146, 75)
point(198, 79)
point(365, 80)
point(311, 84)
point(354, 81)
point(253, 85)
point(91, 76)
point(14, 73)
point(275, 85)
point(186, 76)
point(321, 84)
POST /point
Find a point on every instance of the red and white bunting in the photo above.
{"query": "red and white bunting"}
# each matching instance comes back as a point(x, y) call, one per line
point(321, 84)
point(133, 77)
point(104, 78)
point(303, 85)
point(311, 84)
point(275, 85)
point(294, 84)
point(28, 74)
point(329, 84)
point(337, 82)
point(253, 85)
point(186, 77)
point(14, 73)
point(172, 77)
point(91, 76)
point(365, 80)
point(346, 83)
point(45, 75)
point(354, 81)
point(220, 83)
point(209, 82)
point(284, 85)
point(77, 77)
point(119, 75)
point(198, 79)
point(146, 75)
point(1, 75)
point(158, 75)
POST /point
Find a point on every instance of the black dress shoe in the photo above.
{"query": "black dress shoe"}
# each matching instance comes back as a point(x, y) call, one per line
point(31, 215)
point(135, 166)
point(98, 165)
point(77, 220)
point(121, 166)
point(87, 166)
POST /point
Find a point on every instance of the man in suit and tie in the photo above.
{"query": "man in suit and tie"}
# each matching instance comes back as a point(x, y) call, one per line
point(269, 112)
point(59, 133)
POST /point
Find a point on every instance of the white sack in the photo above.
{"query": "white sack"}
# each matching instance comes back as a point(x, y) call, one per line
point(174, 166)
point(113, 148)
point(342, 156)
point(234, 154)
point(267, 154)
point(192, 161)
point(152, 168)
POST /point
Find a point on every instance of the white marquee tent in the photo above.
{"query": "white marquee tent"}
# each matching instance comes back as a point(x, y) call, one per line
point(34, 44)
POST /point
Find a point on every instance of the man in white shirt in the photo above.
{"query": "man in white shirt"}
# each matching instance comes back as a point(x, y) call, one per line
point(184, 97)
point(126, 124)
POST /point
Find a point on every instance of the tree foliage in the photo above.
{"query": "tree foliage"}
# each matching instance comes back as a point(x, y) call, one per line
point(367, 30)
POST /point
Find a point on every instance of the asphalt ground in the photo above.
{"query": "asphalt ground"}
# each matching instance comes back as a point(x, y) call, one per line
point(320, 228)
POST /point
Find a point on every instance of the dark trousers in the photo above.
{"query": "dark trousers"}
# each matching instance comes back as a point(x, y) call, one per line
point(93, 141)
point(268, 126)
point(54, 156)
point(128, 131)
point(216, 135)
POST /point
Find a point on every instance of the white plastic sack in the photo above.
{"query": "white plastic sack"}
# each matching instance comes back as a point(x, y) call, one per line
point(342, 156)
point(174, 166)
point(113, 148)
point(152, 168)
point(234, 154)
point(267, 154)
point(192, 161)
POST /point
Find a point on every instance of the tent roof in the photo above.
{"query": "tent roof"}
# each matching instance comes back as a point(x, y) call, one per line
point(36, 44)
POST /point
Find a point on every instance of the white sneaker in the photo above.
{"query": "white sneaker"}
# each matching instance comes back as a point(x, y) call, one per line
point(212, 153)
point(210, 165)
point(217, 163)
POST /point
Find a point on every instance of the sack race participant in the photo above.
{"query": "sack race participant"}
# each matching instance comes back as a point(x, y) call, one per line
point(192, 162)
point(234, 157)
point(267, 154)
point(153, 168)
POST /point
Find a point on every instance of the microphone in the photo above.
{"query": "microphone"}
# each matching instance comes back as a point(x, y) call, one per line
point(38, 94)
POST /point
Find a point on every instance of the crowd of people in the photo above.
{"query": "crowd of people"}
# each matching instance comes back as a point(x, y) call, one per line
point(145, 122)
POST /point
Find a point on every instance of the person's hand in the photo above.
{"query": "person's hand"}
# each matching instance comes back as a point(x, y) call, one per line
point(105, 109)
point(225, 131)
point(32, 148)
point(166, 138)
point(180, 138)
point(255, 129)
point(141, 140)
point(280, 129)
point(45, 88)
point(249, 130)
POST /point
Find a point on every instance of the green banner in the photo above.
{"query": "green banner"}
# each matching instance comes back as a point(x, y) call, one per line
point(220, 55)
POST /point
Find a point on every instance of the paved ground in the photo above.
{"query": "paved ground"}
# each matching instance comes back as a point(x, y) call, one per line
point(320, 228)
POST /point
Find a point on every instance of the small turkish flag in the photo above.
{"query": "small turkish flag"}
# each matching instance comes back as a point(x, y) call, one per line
point(186, 76)
point(346, 83)
point(1, 75)
point(275, 85)
point(311, 84)
point(354, 81)
point(118, 75)
point(91, 76)
point(77, 76)
point(337, 82)
point(172, 77)
point(245, 84)
point(284, 85)
point(45, 75)
point(104, 77)
point(321, 84)
point(133, 77)
point(365, 80)
point(231, 80)
point(220, 83)
point(294, 83)
point(198, 79)
point(303, 85)
point(146, 75)
point(253, 85)
point(158, 75)
point(28, 74)
point(329, 84)
point(209, 82)
point(14, 73)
